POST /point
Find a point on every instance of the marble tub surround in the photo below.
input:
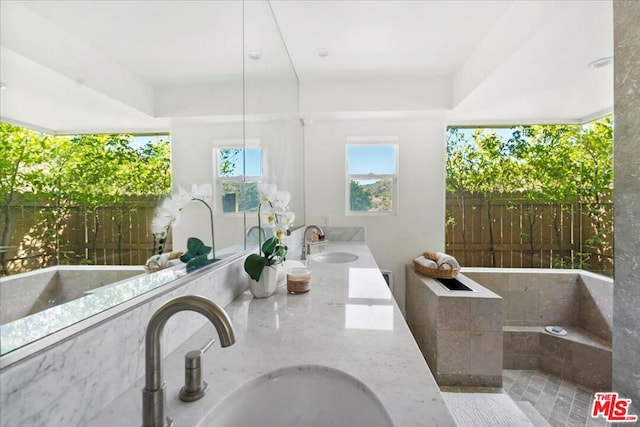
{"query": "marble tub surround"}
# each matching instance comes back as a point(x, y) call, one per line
point(347, 321)
point(459, 332)
point(596, 305)
point(22, 337)
point(28, 293)
point(29, 329)
point(579, 301)
point(71, 381)
point(543, 297)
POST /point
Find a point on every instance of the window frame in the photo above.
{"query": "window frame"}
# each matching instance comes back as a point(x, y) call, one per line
point(372, 141)
point(234, 144)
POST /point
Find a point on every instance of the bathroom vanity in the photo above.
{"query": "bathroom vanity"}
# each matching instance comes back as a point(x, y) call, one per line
point(348, 321)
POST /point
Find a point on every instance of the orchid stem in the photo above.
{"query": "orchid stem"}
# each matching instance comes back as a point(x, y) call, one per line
point(213, 244)
point(259, 231)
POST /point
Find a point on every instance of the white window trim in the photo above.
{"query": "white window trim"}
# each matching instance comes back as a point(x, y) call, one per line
point(222, 144)
point(371, 141)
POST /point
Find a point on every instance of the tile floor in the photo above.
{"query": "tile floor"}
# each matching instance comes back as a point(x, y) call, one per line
point(560, 402)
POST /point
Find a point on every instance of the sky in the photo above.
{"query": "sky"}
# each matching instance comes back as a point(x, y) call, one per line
point(253, 161)
point(376, 159)
point(141, 140)
point(504, 133)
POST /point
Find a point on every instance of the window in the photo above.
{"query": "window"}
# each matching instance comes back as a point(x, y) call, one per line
point(103, 185)
point(238, 171)
point(372, 176)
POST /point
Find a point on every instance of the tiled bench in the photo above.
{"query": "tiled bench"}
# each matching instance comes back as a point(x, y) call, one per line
point(578, 356)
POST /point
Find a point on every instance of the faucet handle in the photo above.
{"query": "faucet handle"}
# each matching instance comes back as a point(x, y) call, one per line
point(208, 345)
point(194, 388)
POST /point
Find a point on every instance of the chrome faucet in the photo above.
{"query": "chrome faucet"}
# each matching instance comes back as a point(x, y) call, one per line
point(256, 230)
point(153, 396)
point(306, 246)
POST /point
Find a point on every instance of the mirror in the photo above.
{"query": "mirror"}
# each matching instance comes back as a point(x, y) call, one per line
point(271, 120)
point(177, 66)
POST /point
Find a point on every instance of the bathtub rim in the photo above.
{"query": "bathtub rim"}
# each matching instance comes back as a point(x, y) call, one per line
point(62, 335)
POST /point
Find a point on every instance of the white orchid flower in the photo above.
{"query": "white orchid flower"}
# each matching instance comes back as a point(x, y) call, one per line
point(280, 232)
point(267, 193)
point(288, 218)
point(159, 226)
point(202, 191)
point(180, 199)
point(170, 211)
point(268, 218)
point(282, 201)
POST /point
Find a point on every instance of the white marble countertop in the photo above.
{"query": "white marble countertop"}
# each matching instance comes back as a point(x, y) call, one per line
point(348, 321)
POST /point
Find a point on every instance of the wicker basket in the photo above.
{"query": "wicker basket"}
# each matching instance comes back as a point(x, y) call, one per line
point(436, 273)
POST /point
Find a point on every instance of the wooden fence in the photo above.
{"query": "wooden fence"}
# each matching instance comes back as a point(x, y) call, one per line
point(112, 235)
point(505, 231)
point(502, 231)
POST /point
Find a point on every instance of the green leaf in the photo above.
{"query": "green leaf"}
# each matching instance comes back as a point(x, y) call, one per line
point(197, 262)
point(253, 265)
point(195, 245)
point(281, 252)
point(195, 248)
point(269, 246)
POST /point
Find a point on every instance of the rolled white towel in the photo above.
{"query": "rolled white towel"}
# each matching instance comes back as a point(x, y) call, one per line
point(426, 262)
point(446, 262)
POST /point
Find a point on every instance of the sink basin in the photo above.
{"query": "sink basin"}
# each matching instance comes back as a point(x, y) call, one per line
point(304, 395)
point(335, 257)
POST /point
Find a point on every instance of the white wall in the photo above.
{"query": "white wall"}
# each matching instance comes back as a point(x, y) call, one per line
point(419, 223)
point(402, 92)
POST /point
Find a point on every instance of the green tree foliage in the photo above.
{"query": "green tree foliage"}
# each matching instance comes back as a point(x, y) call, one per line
point(228, 160)
point(82, 171)
point(381, 194)
point(20, 149)
point(575, 163)
point(552, 164)
point(360, 199)
point(245, 194)
point(485, 165)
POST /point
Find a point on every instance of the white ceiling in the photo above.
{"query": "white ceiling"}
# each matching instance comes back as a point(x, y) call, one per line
point(72, 66)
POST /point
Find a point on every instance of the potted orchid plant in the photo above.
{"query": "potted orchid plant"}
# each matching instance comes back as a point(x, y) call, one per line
point(167, 215)
point(274, 214)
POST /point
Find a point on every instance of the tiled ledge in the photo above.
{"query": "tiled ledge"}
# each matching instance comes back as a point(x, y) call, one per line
point(574, 334)
point(578, 356)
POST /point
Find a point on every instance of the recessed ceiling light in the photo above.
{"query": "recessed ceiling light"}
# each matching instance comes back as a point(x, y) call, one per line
point(3, 86)
point(254, 54)
point(601, 63)
point(322, 52)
